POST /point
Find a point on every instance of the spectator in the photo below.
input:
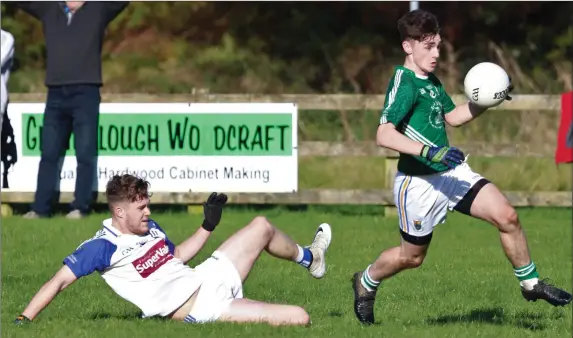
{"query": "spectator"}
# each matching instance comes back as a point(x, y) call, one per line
point(74, 32)
point(9, 153)
point(6, 59)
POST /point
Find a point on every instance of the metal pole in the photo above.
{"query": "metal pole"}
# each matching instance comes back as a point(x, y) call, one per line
point(414, 5)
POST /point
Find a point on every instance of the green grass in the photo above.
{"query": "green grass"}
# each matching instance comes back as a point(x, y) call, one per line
point(465, 288)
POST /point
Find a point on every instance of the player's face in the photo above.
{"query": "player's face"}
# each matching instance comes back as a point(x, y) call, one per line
point(137, 215)
point(426, 53)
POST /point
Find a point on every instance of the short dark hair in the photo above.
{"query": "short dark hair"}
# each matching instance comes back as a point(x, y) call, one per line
point(418, 25)
point(126, 188)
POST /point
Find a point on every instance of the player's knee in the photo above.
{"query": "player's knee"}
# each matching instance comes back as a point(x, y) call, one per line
point(412, 261)
point(507, 219)
point(301, 317)
point(263, 226)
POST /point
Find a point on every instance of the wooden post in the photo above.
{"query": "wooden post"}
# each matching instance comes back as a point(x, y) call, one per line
point(390, 169)
point(194, 209)
point(6, 210)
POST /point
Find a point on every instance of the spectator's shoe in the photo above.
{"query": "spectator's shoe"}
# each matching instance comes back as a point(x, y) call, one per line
point(363, 300)
point(74, 214)
point(31, 215)
point(318, 248)
point(549, 293)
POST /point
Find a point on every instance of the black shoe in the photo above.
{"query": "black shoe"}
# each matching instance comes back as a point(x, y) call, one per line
point(551, 294)
point(363, 301)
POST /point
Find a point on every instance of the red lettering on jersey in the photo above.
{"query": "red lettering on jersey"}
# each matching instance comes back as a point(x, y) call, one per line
point(153, 259)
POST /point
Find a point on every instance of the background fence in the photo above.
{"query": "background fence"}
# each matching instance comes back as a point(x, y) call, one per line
point(354, 103)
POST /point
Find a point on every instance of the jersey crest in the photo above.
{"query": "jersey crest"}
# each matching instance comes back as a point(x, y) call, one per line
point(435, 116)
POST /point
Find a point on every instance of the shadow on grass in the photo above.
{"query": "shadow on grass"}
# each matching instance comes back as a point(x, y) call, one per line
point(120, 316)
point(493, 316)
point(336, 314)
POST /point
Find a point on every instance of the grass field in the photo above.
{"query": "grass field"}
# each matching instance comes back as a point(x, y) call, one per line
point(465, 288)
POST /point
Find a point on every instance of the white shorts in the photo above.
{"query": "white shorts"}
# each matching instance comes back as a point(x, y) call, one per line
point(423, 201)
point(221, 284)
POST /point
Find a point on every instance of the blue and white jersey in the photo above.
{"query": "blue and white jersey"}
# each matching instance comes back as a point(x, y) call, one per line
point(139, 268)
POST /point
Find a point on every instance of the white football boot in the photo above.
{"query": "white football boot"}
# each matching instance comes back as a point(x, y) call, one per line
point(318, 248)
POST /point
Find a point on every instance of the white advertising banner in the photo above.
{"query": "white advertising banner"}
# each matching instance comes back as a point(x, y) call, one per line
point(177, 147)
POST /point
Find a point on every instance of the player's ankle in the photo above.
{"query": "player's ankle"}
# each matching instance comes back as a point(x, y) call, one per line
point(368, 282)
point(529, 284)
point(527, 275)
point(304, 257)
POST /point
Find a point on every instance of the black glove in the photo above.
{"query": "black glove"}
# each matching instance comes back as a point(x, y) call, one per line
point(21, 320)
point(212, 210)
point(509, 89)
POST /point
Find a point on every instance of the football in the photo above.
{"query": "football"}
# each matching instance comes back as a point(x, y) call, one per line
point(486, 84)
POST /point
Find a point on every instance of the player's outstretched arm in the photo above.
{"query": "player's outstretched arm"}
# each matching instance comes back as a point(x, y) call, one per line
point(463, 114)
point(466, 112)
point(61, 280)
point(212, 211)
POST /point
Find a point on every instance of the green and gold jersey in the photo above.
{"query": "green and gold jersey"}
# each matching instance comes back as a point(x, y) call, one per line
point(416, 106)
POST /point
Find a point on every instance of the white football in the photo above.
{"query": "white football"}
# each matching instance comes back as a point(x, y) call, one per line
point(486, 84)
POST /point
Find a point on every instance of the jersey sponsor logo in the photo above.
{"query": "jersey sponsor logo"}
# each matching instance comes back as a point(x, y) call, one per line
point(153, 259)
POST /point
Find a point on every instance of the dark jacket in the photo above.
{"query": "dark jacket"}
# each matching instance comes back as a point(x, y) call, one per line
point(73, 42)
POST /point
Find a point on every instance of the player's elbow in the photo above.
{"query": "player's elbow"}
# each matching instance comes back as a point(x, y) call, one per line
point(63, 278)
point(177, 253)
point(384, 135)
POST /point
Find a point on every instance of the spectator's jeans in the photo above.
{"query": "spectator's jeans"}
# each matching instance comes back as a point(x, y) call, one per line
point(69, 108)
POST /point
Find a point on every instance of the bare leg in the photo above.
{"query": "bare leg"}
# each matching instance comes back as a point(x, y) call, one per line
point(490, 205)
point(251, 311)
point(396, 259)
point(245, 246)
point(389, 263)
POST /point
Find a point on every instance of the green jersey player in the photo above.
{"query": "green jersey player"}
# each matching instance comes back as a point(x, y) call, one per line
point(433, 177)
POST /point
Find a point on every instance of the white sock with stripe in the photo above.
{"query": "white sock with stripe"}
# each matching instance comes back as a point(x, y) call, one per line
point(367, 282)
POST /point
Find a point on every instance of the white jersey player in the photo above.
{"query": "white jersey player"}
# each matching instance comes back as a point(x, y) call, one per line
point(6, 60)
point(139, 262)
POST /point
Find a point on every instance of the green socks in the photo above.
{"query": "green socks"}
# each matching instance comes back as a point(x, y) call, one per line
point(527, 275)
